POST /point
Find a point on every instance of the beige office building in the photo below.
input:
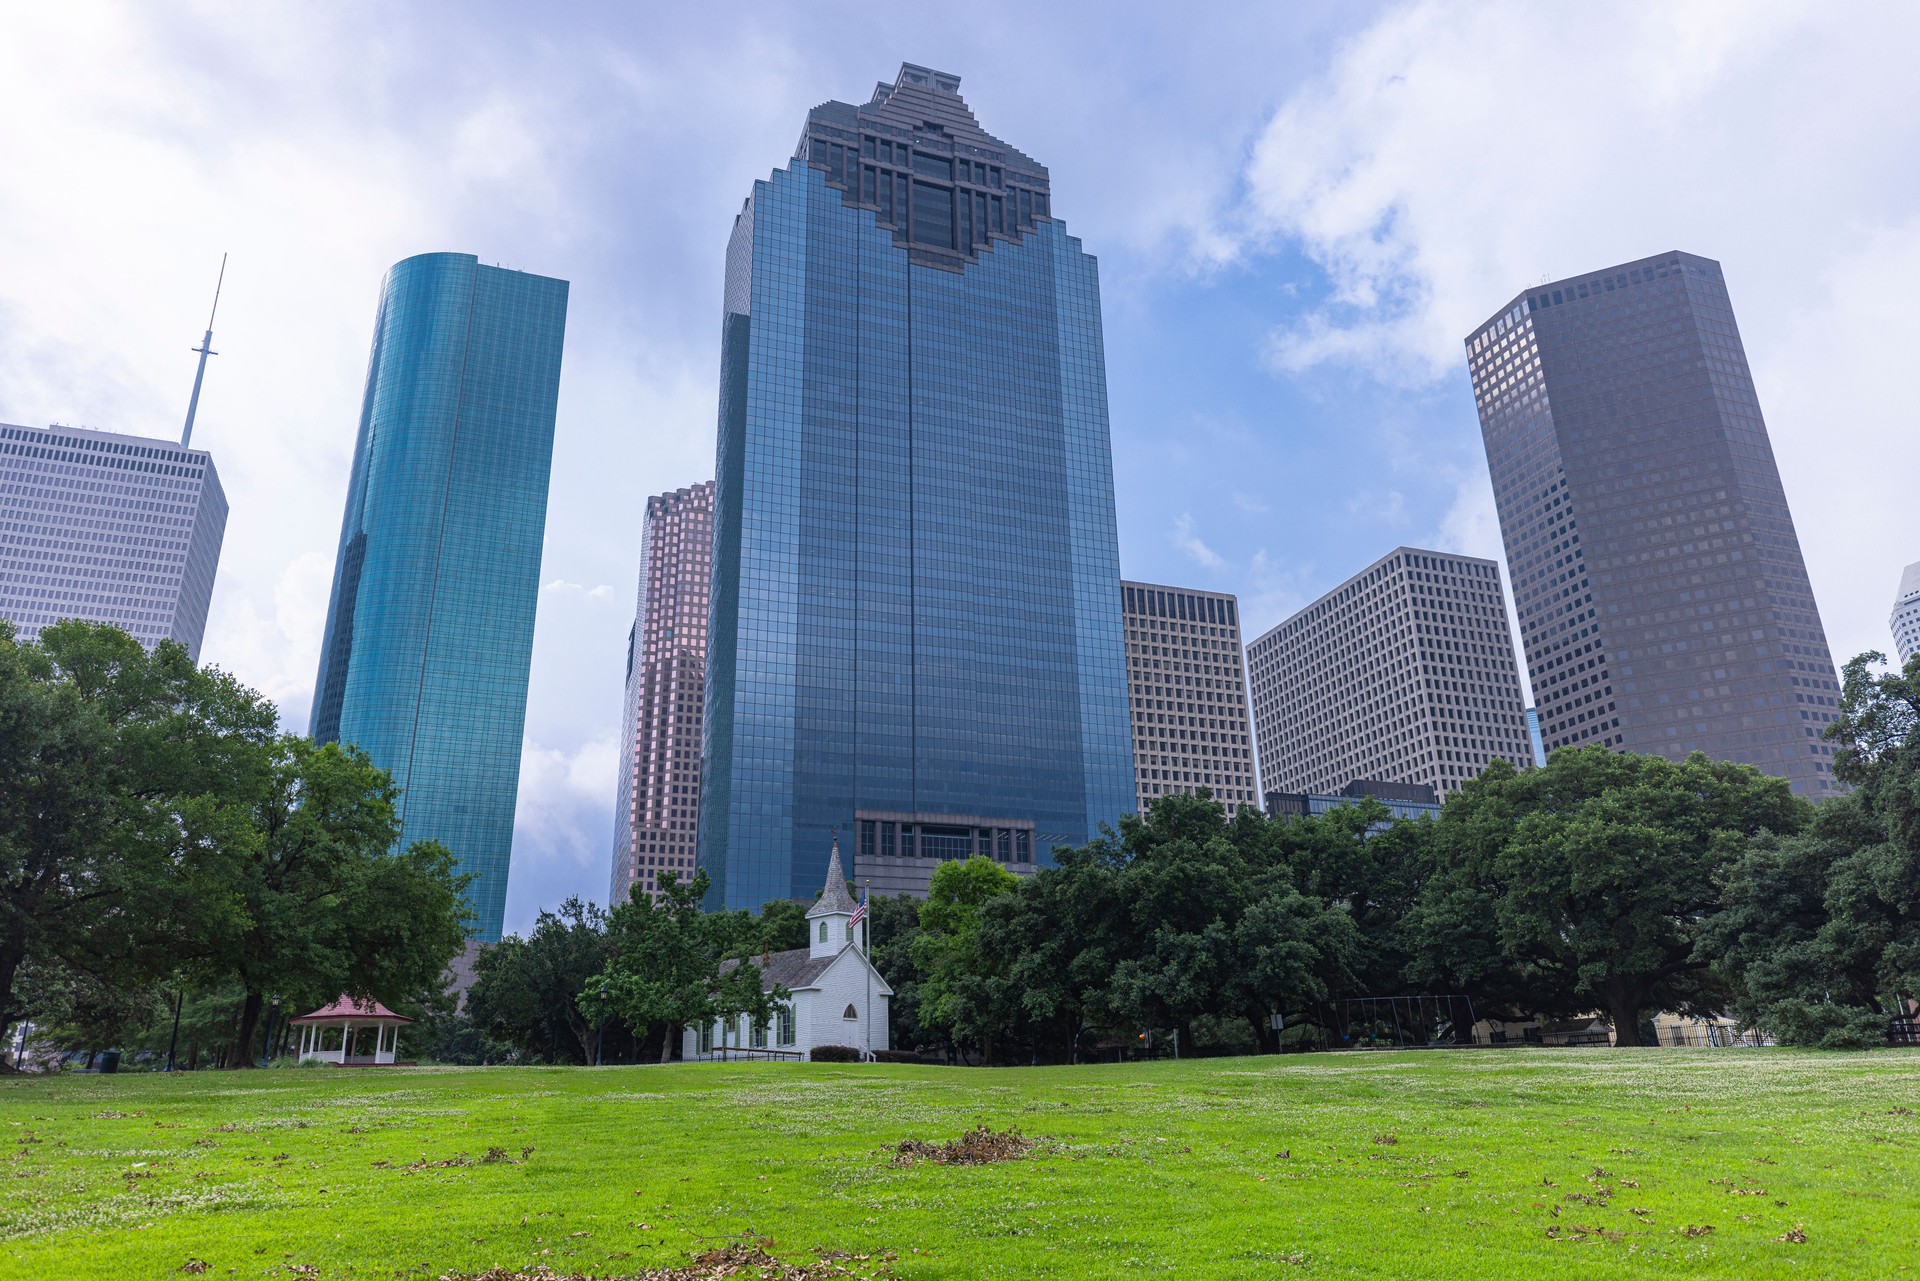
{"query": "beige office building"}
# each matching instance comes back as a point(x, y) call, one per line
point(1188, 692)
point(1404, 673)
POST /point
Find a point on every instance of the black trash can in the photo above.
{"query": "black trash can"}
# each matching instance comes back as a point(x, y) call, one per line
point(110, 1060)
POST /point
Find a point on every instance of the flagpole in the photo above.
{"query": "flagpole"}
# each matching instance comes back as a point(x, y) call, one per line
point(866, 952)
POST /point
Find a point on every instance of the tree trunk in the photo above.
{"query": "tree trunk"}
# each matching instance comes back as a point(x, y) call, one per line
point(666, 1042)
point(13, 951)
point(249, 1028)
point(1263, 1034)
point(1623, 1007)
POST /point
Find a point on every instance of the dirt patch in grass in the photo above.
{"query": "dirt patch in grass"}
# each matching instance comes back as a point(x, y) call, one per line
point(978, 1146)
point(745, 1262)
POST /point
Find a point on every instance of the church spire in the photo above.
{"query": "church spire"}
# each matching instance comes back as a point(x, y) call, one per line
point(834, 898)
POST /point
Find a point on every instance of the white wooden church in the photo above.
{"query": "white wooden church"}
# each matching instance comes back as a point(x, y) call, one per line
point(838, 996)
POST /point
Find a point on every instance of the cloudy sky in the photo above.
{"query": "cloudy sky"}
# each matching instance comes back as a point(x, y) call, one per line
point(1299, 209)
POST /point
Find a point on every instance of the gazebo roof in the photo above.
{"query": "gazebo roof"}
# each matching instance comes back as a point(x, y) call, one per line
point(351, 1009)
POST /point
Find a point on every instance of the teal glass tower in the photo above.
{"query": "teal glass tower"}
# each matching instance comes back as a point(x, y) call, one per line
point(430, 627)
point(915, 626)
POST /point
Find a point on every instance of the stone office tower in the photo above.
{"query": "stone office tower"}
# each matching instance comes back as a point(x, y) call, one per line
point(1404, 673)
point(1188, 685)
point(1663, 601)
point(429, 636)
point(108, 528)
point(656, 809)
point(916, 586)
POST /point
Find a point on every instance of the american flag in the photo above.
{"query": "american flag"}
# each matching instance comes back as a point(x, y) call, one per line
point(859, 911)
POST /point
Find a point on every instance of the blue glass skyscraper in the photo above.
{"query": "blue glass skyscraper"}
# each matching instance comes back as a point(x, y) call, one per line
point(430, 627)
point(916, 633)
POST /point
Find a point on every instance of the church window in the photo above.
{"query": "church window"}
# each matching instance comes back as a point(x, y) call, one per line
point(851, 1012)
point(823, 932)
point(783, 1027)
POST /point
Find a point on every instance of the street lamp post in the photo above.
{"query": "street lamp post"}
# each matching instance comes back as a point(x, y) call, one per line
point(600, 1013)
point(179, 999)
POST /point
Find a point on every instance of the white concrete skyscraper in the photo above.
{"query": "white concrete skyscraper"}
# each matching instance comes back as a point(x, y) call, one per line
point(110, 528)
point(1188, 689)
point(1404, 673)
point(1906, 614)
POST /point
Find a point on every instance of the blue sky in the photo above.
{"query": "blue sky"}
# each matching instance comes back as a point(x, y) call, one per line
point(1299, 209)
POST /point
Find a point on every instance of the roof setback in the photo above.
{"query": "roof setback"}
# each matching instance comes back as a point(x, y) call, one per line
point(921, 100)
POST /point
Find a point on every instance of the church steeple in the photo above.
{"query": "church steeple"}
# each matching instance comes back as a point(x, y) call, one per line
point(831, 913)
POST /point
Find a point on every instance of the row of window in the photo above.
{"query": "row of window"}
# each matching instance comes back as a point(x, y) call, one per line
point(743, 1032)
point(885, 838)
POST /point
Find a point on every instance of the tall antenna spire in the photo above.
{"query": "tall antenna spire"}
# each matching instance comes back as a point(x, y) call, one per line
point(205, 349)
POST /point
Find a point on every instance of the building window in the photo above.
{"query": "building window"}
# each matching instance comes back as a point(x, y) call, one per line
point(851, 1013)
point(783, 1025)
point(932, 215)
point(823, 932)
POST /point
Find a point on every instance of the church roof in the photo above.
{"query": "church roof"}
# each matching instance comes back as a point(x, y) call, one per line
point(834, 898)
point(793, 970)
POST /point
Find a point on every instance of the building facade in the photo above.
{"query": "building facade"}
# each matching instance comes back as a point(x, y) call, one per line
point(1402, 800)
point(1664, 604)
point(111, 529)
point(430, 626)
point(657, 809)
point(916, 587)
point(1404, 673)
point(1906, 614)
point(1188, 692)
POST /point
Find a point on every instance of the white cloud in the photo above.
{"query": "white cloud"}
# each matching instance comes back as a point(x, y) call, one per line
point(562, 826)
point(277, 653)
point(561, 586)
point(1189, 542)
point(1451, 156)
point(1273, 592)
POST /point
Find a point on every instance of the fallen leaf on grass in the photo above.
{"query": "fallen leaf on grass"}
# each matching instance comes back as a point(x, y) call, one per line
point(1795, 1235)
point(1386, 1140)
point(194, 1267)
point(1696, 1230)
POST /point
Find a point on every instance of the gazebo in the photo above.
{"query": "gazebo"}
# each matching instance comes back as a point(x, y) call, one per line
point(351, 1033)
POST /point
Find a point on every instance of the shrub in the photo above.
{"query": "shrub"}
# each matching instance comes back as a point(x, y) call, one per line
point(898, 1056)
point(834, 1054)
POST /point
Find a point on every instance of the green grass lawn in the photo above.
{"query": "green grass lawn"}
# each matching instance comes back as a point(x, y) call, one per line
point(1498, 1164)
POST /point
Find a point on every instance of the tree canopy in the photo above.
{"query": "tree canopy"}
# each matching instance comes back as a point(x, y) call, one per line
point(670, 965)
point(154, 827)
point(1589, 883)
point(1819, 939)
